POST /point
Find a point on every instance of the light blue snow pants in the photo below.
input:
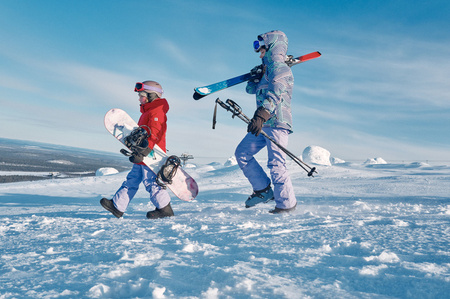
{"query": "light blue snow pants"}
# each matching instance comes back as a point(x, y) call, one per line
point(140, 174)
point(282, 185)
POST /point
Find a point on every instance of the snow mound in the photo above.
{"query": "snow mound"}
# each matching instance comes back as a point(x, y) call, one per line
point(317, 155)
point(159, 292)
point(106, 171)
point(419, 164)
point(335, 160)
point(231, 161)
point(378, 160)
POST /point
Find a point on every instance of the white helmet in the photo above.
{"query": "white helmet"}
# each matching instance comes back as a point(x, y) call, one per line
point(149, 87)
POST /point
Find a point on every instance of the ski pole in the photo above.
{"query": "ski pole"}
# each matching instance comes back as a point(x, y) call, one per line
point(236, 110)
point(285, 150)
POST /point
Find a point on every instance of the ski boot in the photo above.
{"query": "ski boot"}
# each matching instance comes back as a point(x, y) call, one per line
point(109, 205)
point(279, 211)
point(257, 197)
point(161, 213)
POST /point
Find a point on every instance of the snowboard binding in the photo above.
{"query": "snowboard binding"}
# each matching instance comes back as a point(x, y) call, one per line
point(168, 171)
point(137, 143)
point(137, 137)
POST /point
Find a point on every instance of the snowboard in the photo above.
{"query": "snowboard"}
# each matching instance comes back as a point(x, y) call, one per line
point(200, 92)
point(120, 125)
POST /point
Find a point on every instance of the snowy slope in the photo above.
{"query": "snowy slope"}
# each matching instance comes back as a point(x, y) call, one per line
point(360, 231)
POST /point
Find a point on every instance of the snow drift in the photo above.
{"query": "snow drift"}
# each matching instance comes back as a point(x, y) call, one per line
point(106, 171)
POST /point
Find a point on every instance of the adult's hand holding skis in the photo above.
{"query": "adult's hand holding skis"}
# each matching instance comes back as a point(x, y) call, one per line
point(257, 72)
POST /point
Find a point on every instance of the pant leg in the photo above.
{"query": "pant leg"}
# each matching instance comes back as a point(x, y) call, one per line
point(128, 189)
point(282, 184)
point(158, 196)
point(245, 151)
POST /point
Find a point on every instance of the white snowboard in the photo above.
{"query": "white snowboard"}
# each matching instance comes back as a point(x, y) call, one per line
point(120, 125)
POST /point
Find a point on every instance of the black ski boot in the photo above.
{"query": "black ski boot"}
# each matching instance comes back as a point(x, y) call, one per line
point(109, 205)
point(279, 211)
point(161, 213)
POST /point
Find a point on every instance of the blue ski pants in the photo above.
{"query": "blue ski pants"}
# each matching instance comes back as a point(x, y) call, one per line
point(282, 185)
point(140, 174)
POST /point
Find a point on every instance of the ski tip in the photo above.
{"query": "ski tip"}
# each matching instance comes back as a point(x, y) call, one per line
point(198, 96)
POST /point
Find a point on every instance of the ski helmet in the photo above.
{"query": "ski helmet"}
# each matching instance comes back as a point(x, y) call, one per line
point(149, 87)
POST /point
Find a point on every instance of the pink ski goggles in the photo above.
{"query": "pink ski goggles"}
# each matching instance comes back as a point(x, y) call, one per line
point(141, 87)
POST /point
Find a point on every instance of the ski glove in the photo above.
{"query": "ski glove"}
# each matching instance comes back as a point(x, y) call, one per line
point(257, 72)
point(138, 154)
point(259, 118)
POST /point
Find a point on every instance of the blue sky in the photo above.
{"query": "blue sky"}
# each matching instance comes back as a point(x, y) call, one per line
point(380, 89)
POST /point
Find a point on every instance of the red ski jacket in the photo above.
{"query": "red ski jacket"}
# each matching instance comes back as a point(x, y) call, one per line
point(154, 116)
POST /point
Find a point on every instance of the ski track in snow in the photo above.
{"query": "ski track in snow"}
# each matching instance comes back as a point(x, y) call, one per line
point(377, 231)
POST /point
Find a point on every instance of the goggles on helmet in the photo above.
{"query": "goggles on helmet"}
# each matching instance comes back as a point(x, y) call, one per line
point(258, 44)
point(141, 87)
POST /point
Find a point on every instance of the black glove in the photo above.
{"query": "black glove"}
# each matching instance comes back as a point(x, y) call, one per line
point(259, 118)
point(257, 72)
point(136, 158)
point(139, 152)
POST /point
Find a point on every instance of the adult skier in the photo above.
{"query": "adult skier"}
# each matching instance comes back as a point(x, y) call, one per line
point(154, 120)
point(273, 116)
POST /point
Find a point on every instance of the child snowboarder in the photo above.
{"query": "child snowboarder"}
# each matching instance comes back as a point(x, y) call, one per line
point(153, 117)
point(273, 115)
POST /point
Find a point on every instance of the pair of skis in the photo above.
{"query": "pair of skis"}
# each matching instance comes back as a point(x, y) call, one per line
point(203, 91)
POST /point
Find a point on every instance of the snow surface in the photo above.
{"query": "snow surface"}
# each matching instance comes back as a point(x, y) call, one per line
point(204, 90)
point(378, 160)
point(359, 231)
point(63, 162)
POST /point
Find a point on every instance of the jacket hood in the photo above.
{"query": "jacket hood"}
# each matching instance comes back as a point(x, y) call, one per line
point(276, 46)
point(157, 103)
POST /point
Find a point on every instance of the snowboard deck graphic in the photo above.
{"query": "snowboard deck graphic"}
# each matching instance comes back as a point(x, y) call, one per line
point(120, 125)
